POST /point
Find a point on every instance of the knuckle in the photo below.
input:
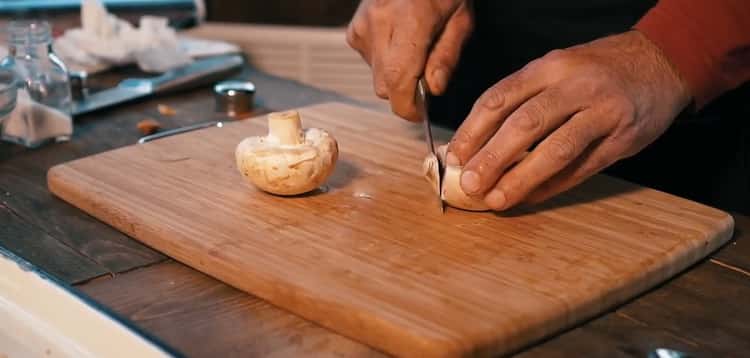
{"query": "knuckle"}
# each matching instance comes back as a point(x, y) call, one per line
point(355, 32)
point(557, 56)
point(398, 73)
point(587, 86)
point(461, 139)
point(526, 120)
point(490, 157)
point(439, 59)
point(486, 163)
point(626, 111)
point(492, 98)
point(561, 149)
point(352, 38)
point(532, 66)
point(623, 141)
point(461, 143)
point(621, 110)
point(465, 22)
point(391, 74)
point(380, 90)
point(555, 62)
point(403, 110)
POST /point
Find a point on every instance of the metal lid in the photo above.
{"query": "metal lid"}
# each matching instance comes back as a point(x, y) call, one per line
point(78, 84)
point(235, 98)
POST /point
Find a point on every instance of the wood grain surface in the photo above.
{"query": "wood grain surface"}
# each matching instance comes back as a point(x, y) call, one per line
point(34, 245)
point(180, 305)
point(372, 259)
point(687, 313)
point(42, 229)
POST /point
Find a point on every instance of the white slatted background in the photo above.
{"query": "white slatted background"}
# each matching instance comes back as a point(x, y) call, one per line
point(315, 56)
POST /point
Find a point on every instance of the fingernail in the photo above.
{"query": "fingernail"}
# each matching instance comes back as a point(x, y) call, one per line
point(470, 182)
point(440, 76)
point(496, 199)
point(452, 159)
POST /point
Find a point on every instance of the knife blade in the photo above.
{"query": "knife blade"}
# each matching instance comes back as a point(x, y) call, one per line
point(134, 88)
point(422, 102)
point(180, 130)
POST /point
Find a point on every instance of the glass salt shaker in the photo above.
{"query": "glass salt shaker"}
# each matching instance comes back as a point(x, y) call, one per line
point(40, 111)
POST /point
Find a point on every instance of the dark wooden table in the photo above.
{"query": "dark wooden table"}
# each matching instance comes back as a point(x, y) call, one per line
point(702, 311)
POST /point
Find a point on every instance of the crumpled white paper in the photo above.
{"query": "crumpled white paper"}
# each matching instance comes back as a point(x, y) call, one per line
point(104, 41)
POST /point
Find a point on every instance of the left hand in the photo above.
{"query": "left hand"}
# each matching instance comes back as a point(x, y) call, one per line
point(586, 106)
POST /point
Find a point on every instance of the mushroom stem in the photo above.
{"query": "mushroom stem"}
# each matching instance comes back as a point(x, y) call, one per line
point(286, 126)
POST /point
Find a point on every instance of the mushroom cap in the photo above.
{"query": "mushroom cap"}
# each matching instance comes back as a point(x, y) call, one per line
point(288, 169)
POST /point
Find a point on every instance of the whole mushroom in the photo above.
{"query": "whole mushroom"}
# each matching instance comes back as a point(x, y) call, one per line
point(290, 160)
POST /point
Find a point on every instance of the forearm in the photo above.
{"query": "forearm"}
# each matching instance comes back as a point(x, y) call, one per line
point(708, 42)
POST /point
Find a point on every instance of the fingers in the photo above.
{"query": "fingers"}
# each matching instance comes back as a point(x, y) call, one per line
point(357, 33)
point(556, 152)
point(402, 66)
point(526, 125)
point(444, 56)
point(370, 39)
point(380, 45)
point(490, 111)
point(594, 160)
point(395, 39)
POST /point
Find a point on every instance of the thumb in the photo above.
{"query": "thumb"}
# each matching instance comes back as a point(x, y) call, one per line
point(445, 53)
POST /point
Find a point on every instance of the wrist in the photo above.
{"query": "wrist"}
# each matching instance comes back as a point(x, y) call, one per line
point(673, 80)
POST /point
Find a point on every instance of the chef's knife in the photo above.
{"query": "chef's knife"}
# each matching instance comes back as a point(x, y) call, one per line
point(134, 88)
point(422, 102)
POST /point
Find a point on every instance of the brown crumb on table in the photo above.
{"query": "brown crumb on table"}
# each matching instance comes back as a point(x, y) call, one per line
point(148, 126)
point(165, 110)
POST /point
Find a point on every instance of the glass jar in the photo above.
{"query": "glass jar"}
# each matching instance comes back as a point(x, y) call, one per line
point(41, 109)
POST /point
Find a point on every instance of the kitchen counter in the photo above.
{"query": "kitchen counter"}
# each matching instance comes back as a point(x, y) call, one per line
point(701, 311)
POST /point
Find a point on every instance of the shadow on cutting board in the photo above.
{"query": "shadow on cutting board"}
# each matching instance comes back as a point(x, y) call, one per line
point(344, 173)
point(596, 188)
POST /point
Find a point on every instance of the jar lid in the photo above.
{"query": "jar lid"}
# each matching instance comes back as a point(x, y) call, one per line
point(235, 98)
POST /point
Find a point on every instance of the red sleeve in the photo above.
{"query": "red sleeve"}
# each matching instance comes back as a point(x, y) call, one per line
point(708, 41)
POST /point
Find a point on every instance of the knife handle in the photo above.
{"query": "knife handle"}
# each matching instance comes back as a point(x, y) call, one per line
point(195, 73)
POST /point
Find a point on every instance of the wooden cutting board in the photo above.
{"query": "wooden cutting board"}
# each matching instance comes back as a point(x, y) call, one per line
point(372, 257)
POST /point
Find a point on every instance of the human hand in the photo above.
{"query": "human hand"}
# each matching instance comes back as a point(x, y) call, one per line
point(586, 106)
point(403, 39)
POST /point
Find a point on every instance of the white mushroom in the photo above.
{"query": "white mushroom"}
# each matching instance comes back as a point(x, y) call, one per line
point(289, 160)
point(450, 190)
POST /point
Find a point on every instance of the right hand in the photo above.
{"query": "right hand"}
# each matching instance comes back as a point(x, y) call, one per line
point(403, 39)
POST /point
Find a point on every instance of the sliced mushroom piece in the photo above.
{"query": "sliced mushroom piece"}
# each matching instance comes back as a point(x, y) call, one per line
point(290, 160)
point(450, 190)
